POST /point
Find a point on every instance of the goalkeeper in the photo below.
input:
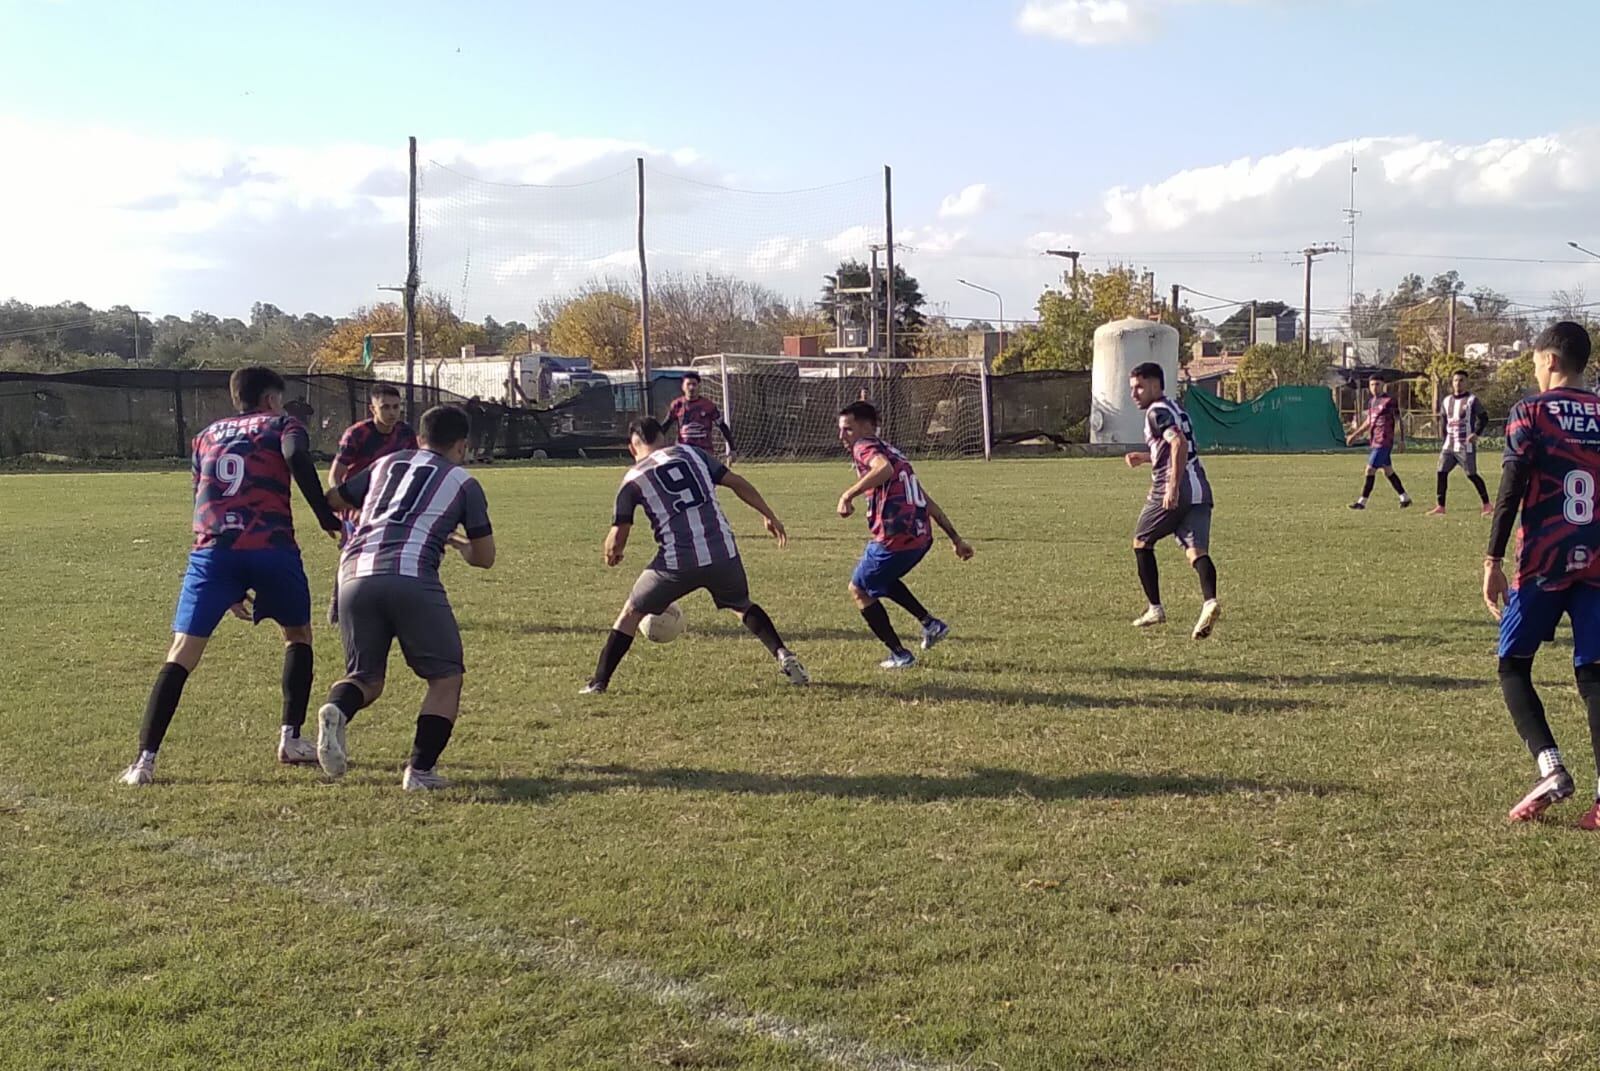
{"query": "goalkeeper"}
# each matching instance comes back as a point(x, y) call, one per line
point(695, 417)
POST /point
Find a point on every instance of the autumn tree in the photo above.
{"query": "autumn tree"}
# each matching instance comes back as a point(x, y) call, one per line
point(1064, 335)
point(602, 325)
point(440, 333)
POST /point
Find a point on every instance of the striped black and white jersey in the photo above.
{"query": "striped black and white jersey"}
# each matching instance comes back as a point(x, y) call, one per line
point(410, 503)
point(677, 486)
point(1194, 489)
point(1463, 416)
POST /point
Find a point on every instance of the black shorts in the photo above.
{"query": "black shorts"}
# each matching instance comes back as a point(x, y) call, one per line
point(1467, 459)
point(1189, 525)
point(374, 611)
point(658, 588)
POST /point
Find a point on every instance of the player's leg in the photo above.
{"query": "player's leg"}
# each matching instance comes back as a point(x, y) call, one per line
point(1194, 536)
point(283, 594)
point(1399, 488)
point(430, 640)
point(1529, 620)
point(730, 590)
point(1583, 607)
point(896, 591)
point(1469, 464)
point(1371, 478)
point(1155, 524)
point(367, 629)
point(652, 593)
point(1441, 480)
point(346, 530)
point(872, 572)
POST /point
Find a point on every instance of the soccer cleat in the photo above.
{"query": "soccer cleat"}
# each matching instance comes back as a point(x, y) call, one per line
point(791, 667)
point(1208, 619)
point(899, 660)
point(934, 631)
point(141, 772)
point(296, 751)
point(1358, 504)
point(593, 688)
point(1552, 788)
point(332, 755)
point(1437, 511)
point(422, 781)
point(1591, 818)
point(1488, 510)
point(1155, 615)
point(1405, 503)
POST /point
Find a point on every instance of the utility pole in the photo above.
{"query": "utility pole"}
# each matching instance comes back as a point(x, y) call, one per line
point(413, 283)
point(1312, 252)
point(1175, 318)
point(1450, 326)
point(1250, 333)
point(136, 314)
point(1072, 255)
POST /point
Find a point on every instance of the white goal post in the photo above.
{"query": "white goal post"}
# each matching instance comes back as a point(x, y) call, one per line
point(788, 407)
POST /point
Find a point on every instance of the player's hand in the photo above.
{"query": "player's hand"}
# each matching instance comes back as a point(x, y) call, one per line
point(846, 507)
point(1494, 587)
point(1169, 498)
point(1134, 458)
point(242, 609)
point(730, 459)
point(776, 531)
point(962, 548)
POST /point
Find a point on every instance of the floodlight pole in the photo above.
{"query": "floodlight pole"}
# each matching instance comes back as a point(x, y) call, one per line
point(413, 280)
point(646, 403)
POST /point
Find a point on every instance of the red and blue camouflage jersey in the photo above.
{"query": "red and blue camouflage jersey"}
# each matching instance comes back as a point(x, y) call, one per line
point(241, 481)
point(1383, 413)
point(695, 421)
point(362, 444)
point(1556, 436)
point(897, 512)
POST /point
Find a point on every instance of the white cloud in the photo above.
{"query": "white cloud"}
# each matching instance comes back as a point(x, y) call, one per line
point(1087, 22)
point(969, 202)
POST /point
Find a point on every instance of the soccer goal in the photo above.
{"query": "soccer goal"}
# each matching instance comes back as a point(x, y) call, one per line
point(788, 407)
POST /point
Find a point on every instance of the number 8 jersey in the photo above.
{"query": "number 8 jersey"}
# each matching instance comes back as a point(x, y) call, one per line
point(1555, 437)
point(411, 502)
point(677, 486)
point(897, 512)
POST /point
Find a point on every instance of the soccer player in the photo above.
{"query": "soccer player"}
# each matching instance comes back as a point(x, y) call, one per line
point(1180, 499)
point(1383, 415)
point(1464, 420)
point(361, 445)
point(244, 543)
point(1551, 474)
point(677, 487)
point(695, 417)
point(411, 503)
point(898, 509)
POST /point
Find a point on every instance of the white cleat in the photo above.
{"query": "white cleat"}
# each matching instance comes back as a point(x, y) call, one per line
point(331, 753)
point(141, 772)
point(898, 660)
point(791, 667)
point(422, 781)
point(933, 632)
point(1209, 613)
point(296, 751)
point(1155, 615)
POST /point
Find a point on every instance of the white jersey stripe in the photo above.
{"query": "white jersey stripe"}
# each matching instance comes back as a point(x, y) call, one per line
point(656, 506)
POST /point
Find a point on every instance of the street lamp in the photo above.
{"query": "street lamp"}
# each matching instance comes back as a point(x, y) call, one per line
point(998, 298)
point(1581, 249)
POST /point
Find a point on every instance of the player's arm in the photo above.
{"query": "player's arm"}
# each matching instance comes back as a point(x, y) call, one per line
point(342, 459)
point(727, 437)
point(747, 493)
point(1480, 420)
point(296, 446)
point(351, 495)
point(1515, 475)
point(477, 546)
point(621, 524)
point(962, 548)
point(880, 473)
point(1180, 459)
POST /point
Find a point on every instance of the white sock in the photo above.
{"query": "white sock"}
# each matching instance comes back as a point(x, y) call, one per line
point(1362, 500)
point(1549, 761)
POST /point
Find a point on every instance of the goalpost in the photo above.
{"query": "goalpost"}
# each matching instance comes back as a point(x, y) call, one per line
point(787, 407)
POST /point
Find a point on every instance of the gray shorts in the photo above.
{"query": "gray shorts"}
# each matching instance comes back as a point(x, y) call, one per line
point(1189, 525)
point(374, 611)
point(658, 588)
point(1467, 459)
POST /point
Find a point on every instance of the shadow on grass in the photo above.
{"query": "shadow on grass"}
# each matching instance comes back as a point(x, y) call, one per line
point(1342, 678)
point(981, 783)
point(722, 626)
point(933, 691)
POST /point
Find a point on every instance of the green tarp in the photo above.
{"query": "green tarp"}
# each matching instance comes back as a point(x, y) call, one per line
point(1284, 418)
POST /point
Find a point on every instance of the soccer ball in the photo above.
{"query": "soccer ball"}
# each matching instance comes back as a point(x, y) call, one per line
point(663, 627)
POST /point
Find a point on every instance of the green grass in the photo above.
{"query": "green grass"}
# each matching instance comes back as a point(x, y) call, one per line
point(1056, 843)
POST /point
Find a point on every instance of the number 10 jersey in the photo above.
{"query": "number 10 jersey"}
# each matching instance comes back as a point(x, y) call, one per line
point(410, 502)
point(677, 486)
point(1555, 437)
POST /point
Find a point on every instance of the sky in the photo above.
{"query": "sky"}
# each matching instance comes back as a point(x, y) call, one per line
point(176, 156)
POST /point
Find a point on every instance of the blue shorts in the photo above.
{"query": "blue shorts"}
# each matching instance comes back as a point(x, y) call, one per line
point(1379, 457)
point(1531, 615)
point(880, 567)
point(217, 578)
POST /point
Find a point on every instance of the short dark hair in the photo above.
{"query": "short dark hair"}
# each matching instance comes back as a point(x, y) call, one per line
point(445, 425)
point(1462, 372)
point(1151, 370)
point(249, 385)
point(691, 375)
point(861, 411)
point(1569, 342)
point(383, 390)
point(648, 430)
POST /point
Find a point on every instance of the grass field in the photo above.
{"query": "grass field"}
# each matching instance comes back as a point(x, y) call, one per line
point(1055, 844)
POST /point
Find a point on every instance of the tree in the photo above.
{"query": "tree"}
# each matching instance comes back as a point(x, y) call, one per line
point(1064, 336)
point(1271, 364)
point(440, 333)
point(1235, 330)
point(602, 325)
point(855, 309)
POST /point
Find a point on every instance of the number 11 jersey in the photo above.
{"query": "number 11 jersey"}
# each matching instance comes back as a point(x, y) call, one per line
point(410, 504)
point(1556, 437)
point(677, 486)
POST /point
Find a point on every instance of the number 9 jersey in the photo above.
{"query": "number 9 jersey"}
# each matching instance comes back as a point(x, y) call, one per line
point(677, 486)
point(1555, 437)
point(241, 481)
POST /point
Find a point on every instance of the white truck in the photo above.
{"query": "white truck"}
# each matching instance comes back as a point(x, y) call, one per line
point(519, 381)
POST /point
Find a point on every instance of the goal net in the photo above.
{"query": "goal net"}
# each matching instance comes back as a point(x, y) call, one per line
point(788, 407)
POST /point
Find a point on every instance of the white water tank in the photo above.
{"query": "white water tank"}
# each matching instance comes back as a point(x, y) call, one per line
point(1119, 348)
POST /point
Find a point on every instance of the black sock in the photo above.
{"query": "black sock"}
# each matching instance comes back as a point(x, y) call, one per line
point(617, 645)
point(1527, 712)
point(1208, 576)
point(1394, 481)
point(297, 668)
point(162, 704)
point(1366, 488)
point(877, 619)
point(1149, 574)
point(899, 593)
point(349, 698)
point(1589, 689)
point(433, 733)
point(761, 627)
point(1478, 484)
point(1441, 482)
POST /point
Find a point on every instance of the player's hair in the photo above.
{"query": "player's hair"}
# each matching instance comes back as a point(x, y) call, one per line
point(445, 425)
point(648, 430)
point(1151, 370)
point(1462, 372)
point(691, 375)
point(249, 385)
point(1569, 342)
point(861, 411)
point(383, 390)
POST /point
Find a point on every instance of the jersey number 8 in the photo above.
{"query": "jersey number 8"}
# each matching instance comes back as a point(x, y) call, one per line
point(1578, 507)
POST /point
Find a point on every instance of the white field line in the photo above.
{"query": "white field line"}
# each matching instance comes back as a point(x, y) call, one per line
point(815, 1040)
